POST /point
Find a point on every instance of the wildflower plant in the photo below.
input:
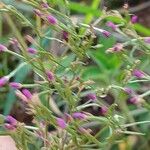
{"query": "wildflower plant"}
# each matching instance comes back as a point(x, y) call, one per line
point(60, 96)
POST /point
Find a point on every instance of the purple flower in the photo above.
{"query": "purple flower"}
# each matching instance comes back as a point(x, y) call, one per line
point(44, 5)
point(133, 100)
point(27, 93)
point(2, 48)
point(65, 35)
point(61, 123)
point(147, 40)
point(117, 48)
point(50, 75)
point(10, 123)
point(78, 115)
point(38, 12)
point(32, 50)
point(3, 81)
point(103, 110)
point(15, 85)
point(111, 25)
point(52, 20)
point(134, 19)
point(138, 73)
point(128, 90)
point(91, 96)
point(106, 33)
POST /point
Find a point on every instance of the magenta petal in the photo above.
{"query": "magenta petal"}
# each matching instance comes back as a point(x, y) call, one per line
point(61, 123)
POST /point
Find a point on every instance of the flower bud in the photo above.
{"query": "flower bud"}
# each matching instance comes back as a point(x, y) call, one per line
point(111, 25)
point(106, 33)
point(103, 110)
point(65, 35)
point(10, 123)
point(128, 90)
point(32, 51)
point(2, 48)
point(52, 20)
point(38, 12)
point(61, 123)
point(91, 96)
point(133, 100)
point(15, 85)
point(147, 40)
point(79, 115)
point(134, 19)
point(3, 81)
point(139, 74)
point(50, 76)
point(27, 93)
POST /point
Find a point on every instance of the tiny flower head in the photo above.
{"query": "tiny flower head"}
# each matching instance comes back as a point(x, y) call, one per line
point(106, 34)
point(133, 100)
point(134, 19)
point(138, 73)
point(52, 20)
point(32, 50)
point(91, 96)
point(61, 123)
point(27, 93)
point(117, 48)
point(128, 90)
point(103, 110)
point(50, 75)
point(111, 25)
point(2, 48)
point(15, 85)
point(147, 40)
point(78, 115)
point(3, 81)
point(38, 12)
point(10, 123)
point(65, 35)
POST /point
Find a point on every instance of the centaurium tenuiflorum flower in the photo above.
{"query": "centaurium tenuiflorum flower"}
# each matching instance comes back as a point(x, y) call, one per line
point(106, 34)
point(50, 75)
point(138, 73)
point(10, 123)
point(52, 20)
point(111, 25)
point(61, 123)
point(2, 48)
point(147, 40)
point(32, 50)
point(3, 81)
point(134, 19)
point(103, 110)
point(27, 93)
point(91, 96)
point(15, 85)
point(78, 115)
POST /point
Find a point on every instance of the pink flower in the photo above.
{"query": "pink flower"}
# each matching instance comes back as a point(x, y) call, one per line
point(2, 48)
point(147, 40)
point(117, 48)
point(65, 35)
point(78, 115)
point(38, 12)
point(128, 90)
point(44, 5)
point(27, 93)
point(134, 19)
point(10, 123)
point(133, 100)
point(15, 85)
point(103, 110)
point(111, 25)
point(91, 96)
point(32, 50)
point(50, 75)
point(138, 73)
point(52, 20)
point(61, 123)
point(106, 33)
point(3, 81)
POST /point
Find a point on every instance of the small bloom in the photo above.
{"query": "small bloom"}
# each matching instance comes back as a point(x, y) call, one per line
point(65, 35)
point(106, 33)
point(78, 115)
point(117, 48)
point(133, 100)
point(61, 123)
point(3, 81)
point(128, 90)
point(10, 123)
point(52, 20)
point(50, 75)
point(15, 85)
point(111, 25)
point(91, 96)
point(103, 110)
point(32, 50)
point(27, 93)
point(38, 12)
point(147, 40)
point(138, 73)
point(44, 5)
point(2, 48)
point(134, 19)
